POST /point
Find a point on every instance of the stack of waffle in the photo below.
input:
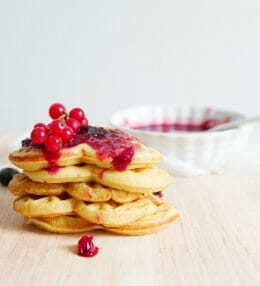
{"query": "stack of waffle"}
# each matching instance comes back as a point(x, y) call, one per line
point(82, 191)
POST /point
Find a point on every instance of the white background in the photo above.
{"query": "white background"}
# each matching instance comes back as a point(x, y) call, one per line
point(108, 55)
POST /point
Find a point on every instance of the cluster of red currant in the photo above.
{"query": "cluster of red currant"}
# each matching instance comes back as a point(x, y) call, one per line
point(61, 130)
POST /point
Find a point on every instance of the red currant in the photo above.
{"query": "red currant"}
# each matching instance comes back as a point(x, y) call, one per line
point(53, 143)
point(73, 124)
point(56, 110)
point(42, 125)
point(84, 122)
point(38, 135)
point(67, 134)
point(78, 114)
point(57, 127)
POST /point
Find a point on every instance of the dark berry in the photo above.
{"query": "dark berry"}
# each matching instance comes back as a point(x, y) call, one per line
point(27, 142)
point(83, 129)
point(6, 175)
point(97, 132)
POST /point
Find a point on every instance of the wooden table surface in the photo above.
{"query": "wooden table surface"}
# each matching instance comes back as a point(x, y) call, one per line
point(215, 242)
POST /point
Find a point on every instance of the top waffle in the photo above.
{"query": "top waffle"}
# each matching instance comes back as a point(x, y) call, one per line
point(112, 149)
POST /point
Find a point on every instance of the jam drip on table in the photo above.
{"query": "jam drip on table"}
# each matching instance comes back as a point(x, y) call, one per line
point(111, 143)
point(86, 247)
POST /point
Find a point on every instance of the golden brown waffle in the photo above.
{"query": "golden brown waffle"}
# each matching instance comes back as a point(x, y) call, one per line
point(21, 185)
point(107, 213)
point(136, 181)
point(149, 224)
point(155, 222)
point(32, 160)
point(111, 214)
point(62, 224)
point(44, 206)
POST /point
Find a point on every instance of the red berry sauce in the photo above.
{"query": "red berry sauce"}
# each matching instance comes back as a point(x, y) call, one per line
point(111, 143)
point(167, 127)
point(51, 157)
point(53, 170)
point(86, 247)
point(101, 174)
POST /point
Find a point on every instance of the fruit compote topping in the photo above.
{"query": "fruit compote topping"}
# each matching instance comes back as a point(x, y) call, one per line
point(167, 127)
point(108, 143)
point(70, 129)
point(86, 247)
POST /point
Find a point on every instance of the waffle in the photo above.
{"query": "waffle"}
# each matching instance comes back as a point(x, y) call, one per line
point(112, 214)
point(32, 160)
point(149, 224)
point(43, 206)
point(137, 181)
point(21, 185)
point(107, 213)
point(62, 224)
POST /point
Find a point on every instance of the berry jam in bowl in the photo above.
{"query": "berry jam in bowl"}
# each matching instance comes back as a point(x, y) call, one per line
point(182, 135)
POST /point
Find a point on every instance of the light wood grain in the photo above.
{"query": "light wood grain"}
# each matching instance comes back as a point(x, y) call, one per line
point(216, 242)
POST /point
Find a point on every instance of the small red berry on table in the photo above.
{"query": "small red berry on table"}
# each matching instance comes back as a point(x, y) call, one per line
point(86, 247)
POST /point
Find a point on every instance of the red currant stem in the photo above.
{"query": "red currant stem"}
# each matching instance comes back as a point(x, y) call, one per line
point(64, 116)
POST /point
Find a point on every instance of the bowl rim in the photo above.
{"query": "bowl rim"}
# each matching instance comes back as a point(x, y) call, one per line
point(119, 114)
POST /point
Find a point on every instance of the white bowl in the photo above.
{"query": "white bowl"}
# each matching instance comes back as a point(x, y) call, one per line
point(186, 153)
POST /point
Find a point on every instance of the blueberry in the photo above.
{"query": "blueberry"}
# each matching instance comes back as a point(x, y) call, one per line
point(6, 175)
point(96, 132)
point(26, 142)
